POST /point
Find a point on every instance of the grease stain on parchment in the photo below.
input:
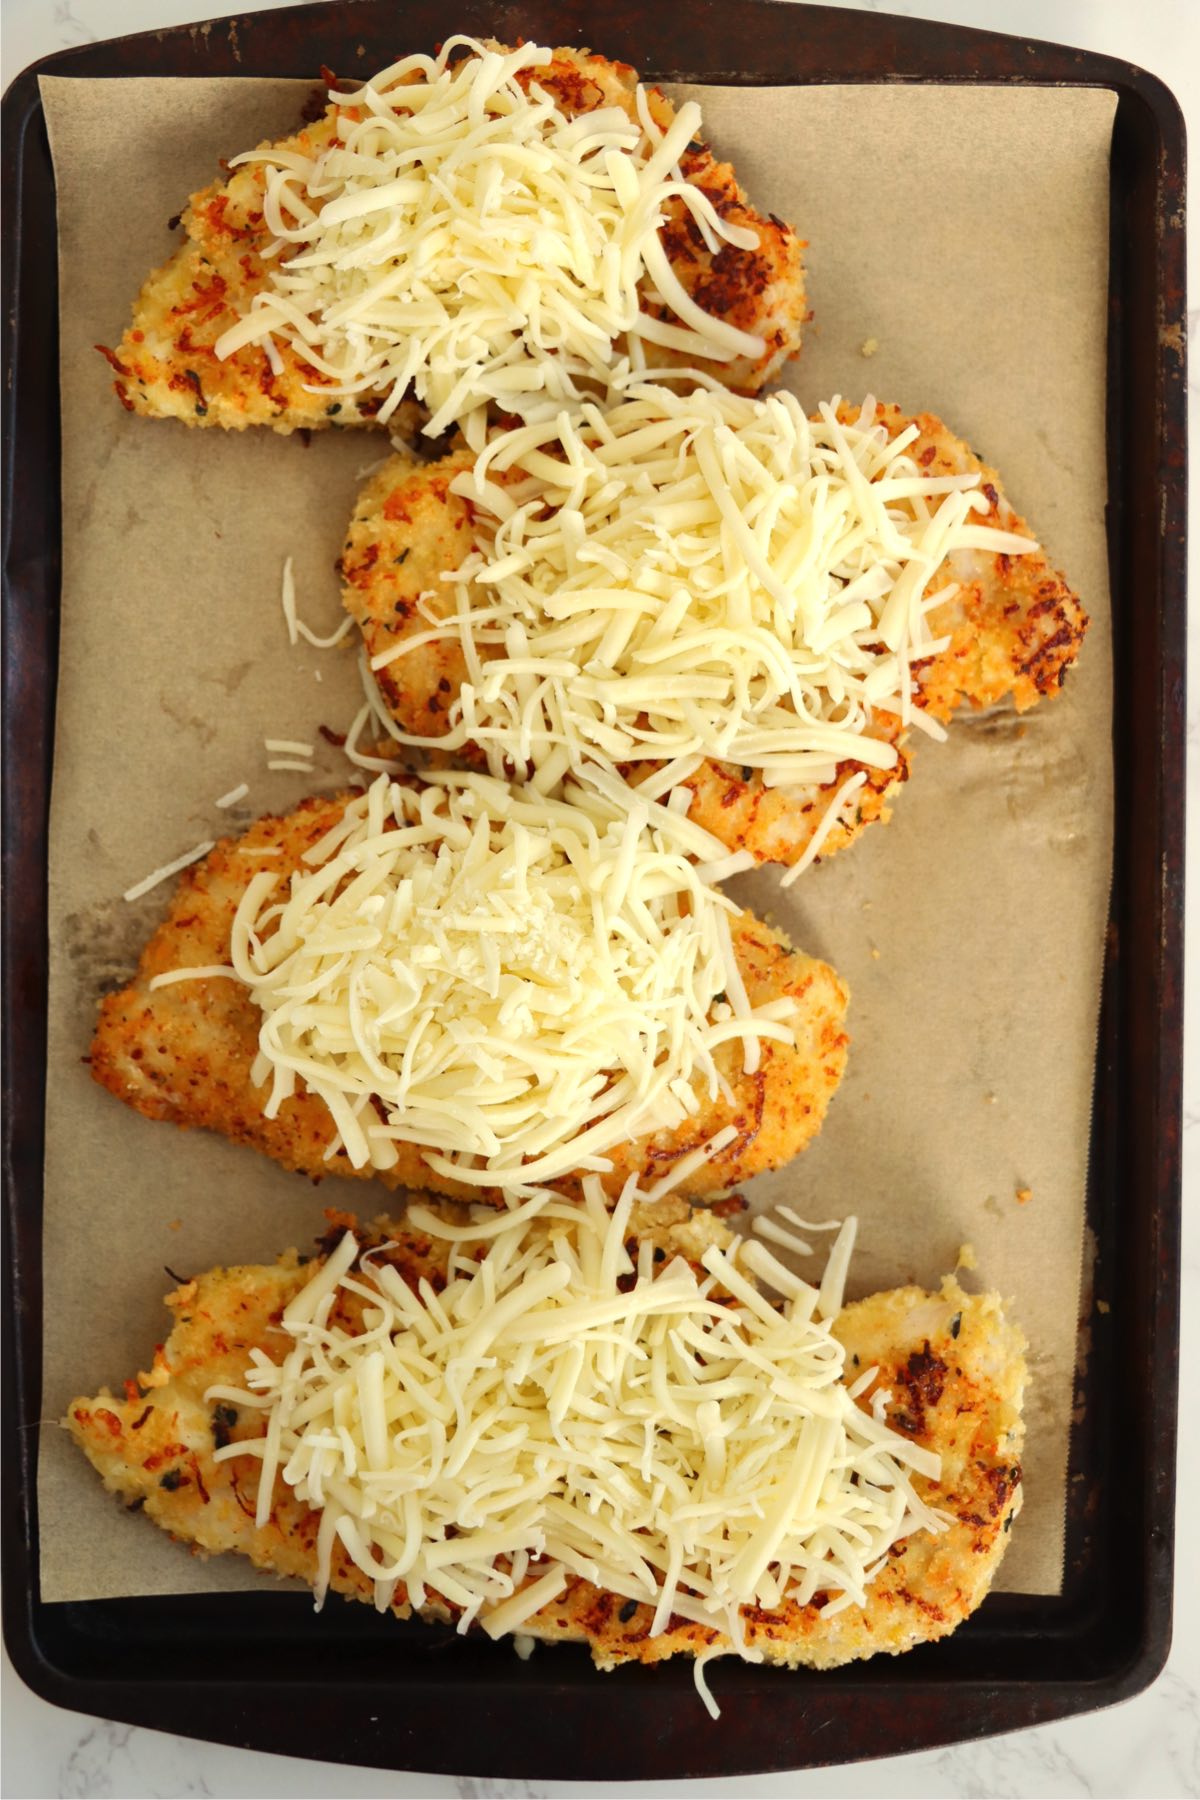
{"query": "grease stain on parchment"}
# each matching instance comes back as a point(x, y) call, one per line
point(203, 730)
point(101, 944)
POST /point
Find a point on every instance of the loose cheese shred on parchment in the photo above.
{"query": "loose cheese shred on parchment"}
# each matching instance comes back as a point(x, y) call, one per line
point(471, 244)
point(516, 984)
point(565, 1409)
point(296, 627)
point(699, 575)
point(157, 876)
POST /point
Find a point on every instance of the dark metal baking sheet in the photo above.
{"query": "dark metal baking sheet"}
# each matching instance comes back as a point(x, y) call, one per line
point(258, 1670)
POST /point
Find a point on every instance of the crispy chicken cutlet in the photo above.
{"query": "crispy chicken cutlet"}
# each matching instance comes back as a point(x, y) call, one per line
point(1007, 627)
point(171, 363)
point(942, 1372)
point(187, 1050)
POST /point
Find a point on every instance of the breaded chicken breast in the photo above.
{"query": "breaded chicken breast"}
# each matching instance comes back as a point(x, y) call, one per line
point(166, 365)
point(185, 1052)
point(952, 1364)
point(1015, 627)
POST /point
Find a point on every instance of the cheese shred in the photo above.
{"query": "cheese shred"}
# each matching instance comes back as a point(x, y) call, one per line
point(168, 869)
point(296, 627)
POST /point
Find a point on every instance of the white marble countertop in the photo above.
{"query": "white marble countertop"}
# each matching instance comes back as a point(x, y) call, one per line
point(1149, 1746)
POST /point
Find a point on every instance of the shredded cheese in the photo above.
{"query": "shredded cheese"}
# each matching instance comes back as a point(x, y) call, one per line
point(197, 972)
point(699, 575)
point(233, 796)
point(562, 1410)
point(292, 745)
point(514, 983)
point(168, 869)
point(470, 243)
point(296, 627)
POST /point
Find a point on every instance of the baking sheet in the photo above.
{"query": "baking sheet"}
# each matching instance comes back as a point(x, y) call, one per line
point(965, 232)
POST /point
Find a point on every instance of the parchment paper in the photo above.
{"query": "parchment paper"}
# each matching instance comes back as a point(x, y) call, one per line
point(965, 230)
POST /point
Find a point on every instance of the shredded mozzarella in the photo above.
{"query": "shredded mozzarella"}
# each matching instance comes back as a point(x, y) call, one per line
point(695, 576)
point(296, 627)
point(287, 598)
point(470, 243)
point(233, 796)
point(197, 972)
point(701, 1681)
point(560, 1410)
point(168, 869)
point(516, 984)
point(292, 746)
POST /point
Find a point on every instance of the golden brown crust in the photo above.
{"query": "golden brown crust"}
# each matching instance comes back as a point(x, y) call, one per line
point(184, 1052)
point(1015, 628)
point(166, 367)
point(954, 1365)
point(407, 530)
